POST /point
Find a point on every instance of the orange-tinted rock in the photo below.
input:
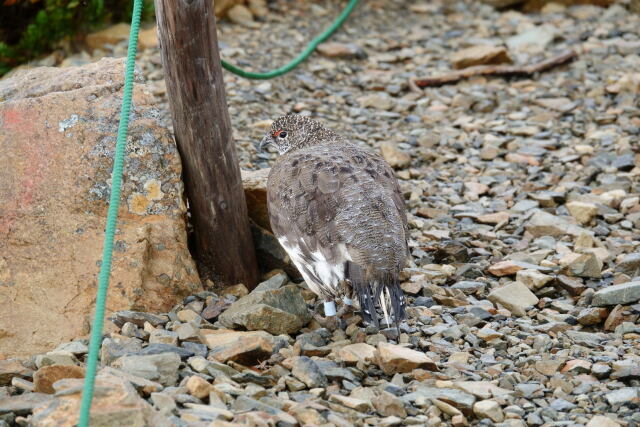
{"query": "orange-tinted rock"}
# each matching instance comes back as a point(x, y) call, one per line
point(44, 378)
point(59, 127)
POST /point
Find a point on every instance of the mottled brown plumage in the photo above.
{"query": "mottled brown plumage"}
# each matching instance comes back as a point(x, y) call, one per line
point(338, 211)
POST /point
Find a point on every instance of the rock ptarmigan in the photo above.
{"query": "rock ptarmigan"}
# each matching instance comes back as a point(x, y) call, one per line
point(338, 211)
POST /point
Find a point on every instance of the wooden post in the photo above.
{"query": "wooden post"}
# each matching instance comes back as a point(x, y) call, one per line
point(189, 44)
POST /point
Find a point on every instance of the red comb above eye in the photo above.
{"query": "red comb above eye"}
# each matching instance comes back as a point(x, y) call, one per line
point(276, 133)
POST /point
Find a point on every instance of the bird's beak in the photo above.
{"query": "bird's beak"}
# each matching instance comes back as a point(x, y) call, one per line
point(265, 141)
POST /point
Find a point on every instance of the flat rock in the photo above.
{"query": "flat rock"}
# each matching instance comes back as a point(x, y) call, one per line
point(602, 421)
point(626, 395)
point(243, 347)
point(277, 311)
point(162, 368)
point(45, 377)
point(393, 358)
point(341, 50)
point(533, 279)
point(481, 389)
point(307, 371)
point(22, 404)
point(354, 353)
point(515, 297)
point(623, 293)
point(488, 409)
point(480, 55)
point(115, 403)
point(592, 316)
point(457, 398)
point(543, 223)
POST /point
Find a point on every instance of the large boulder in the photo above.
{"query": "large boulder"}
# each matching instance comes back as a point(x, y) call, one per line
point(57, 135)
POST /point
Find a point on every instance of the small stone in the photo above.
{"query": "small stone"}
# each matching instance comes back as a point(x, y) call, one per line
point(394, 156)
point(600, 370)
point(307, 371)
point(623, 293)
point(388, 405)
point(241, 15)
point(543, 223)
point(583, 212)
point(162, 367)
point(55, 358)
point(629, 265)
point(380, 101)
point(187, 331)
point(22, 384)
point(274, 282)
point(163, 337)
point(592, 316)
point(570, 284)
point(360, 405)
point(23, 404)
point(246, 348)
point(602, 421)
point(494, 218)
point(561, 104)
point(533, 279)
point(187, 315)
point(277, 311)
point(459, 421)
point(582, 265)
point(476, 187)
point(164, 402)
point(626, 395)
point(479, 55)
point(504, 268)
point(562, 405)
point(534, 39)
point(515, 297)
point(112, 35)
point(148, 38)
point(489, 409)
point(393, 359)
point(45, 377)
point(341, 50)
point(577, 366)
point(354, 353)
point(198, 387)
point(548, 367)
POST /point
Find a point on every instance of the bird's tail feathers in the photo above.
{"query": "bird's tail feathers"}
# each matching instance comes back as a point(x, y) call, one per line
point(371, 292)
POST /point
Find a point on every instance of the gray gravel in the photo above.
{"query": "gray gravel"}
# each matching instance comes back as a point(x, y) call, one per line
point(524, 208)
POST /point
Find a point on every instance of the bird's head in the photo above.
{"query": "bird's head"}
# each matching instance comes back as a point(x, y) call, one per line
point(291, 132)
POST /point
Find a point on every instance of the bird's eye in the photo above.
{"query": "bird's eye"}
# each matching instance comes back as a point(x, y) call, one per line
point(282, 134)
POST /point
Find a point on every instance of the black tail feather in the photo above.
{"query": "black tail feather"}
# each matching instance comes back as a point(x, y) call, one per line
point(369, 293)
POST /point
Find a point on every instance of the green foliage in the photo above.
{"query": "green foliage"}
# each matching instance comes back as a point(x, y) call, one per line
point(36, 27)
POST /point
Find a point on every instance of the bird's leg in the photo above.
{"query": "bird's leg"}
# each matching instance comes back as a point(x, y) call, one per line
point(347, 307)
point(331, 321)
